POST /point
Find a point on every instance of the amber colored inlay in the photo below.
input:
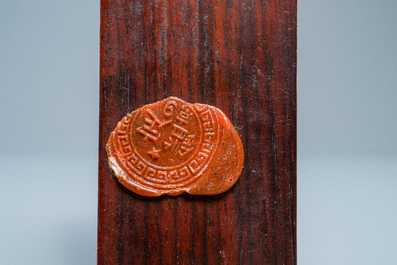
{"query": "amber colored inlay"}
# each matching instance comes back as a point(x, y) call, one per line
point(171, 147)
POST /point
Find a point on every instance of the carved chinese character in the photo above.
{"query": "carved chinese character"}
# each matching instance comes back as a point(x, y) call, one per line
point(186, 145)
point(169, 108)
point(177, 136)
point(184, 115)
point(149, 129)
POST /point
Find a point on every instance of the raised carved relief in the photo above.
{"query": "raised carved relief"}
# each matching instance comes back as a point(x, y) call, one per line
point(171, 147)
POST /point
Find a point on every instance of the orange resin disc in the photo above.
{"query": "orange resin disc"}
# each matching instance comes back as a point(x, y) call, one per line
point(171, 147)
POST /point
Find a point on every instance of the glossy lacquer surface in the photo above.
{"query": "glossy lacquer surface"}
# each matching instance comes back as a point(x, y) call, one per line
point(238, 56)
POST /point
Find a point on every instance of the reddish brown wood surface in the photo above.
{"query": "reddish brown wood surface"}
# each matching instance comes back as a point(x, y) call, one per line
point(239, 56)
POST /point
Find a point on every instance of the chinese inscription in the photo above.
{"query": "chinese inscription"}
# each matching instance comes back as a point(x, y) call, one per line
point(171, 147)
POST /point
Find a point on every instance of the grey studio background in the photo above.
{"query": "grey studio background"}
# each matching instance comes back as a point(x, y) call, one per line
point(347, 144)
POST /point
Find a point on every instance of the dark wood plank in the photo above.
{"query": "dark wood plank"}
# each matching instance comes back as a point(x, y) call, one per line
point(240, 56)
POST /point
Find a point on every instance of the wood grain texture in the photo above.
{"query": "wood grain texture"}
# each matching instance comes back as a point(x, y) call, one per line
point(239, 56)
